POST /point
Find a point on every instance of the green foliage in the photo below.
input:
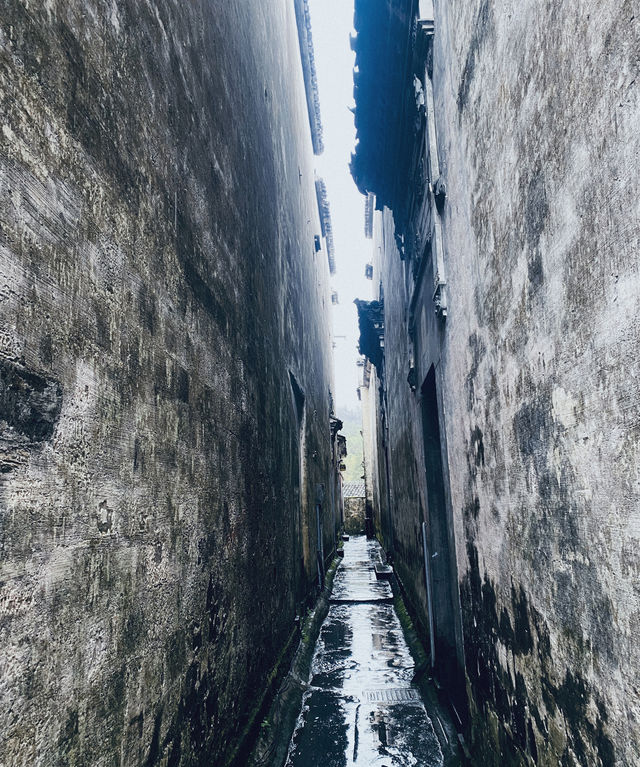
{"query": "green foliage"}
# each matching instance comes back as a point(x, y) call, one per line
point(352, 420)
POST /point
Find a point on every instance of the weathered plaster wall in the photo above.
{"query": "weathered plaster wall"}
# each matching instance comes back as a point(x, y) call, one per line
point(157, 214)
point(538, 115)
point(402, 530)
point(536, 374)
point(369, 440)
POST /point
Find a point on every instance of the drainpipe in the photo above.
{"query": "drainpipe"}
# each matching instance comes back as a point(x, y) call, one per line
point(427, 574)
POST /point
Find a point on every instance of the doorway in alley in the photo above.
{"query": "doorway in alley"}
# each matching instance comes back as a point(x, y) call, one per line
point(441, 575)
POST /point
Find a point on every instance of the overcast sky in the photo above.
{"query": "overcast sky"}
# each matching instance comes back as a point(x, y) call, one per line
point(332, 21)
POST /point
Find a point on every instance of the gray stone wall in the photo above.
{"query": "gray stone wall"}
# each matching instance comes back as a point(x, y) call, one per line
point(157, 214)
point(369, 439)
point(536, 372)
point(402, 526)
point(538, 116)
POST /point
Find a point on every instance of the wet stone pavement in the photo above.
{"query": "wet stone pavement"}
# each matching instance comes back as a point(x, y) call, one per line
point(361, 707)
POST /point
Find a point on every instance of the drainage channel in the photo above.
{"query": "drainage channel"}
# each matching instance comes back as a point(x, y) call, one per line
point(362, 707)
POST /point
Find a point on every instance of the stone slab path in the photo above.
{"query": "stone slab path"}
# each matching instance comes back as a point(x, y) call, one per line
point(361, 707)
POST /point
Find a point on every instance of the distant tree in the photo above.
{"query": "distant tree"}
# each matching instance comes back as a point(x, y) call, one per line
point(352, 430)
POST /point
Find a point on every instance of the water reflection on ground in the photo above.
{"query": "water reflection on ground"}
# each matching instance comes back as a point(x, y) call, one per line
point(361, 708)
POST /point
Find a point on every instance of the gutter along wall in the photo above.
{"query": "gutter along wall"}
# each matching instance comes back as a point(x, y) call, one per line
point(534, 372)
point(160, 284)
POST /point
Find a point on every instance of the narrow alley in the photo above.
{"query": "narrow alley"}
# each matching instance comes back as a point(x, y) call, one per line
point(273, 272)
point(362, 707)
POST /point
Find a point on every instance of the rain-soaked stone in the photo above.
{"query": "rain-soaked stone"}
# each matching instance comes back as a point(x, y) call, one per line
point(361, 707)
